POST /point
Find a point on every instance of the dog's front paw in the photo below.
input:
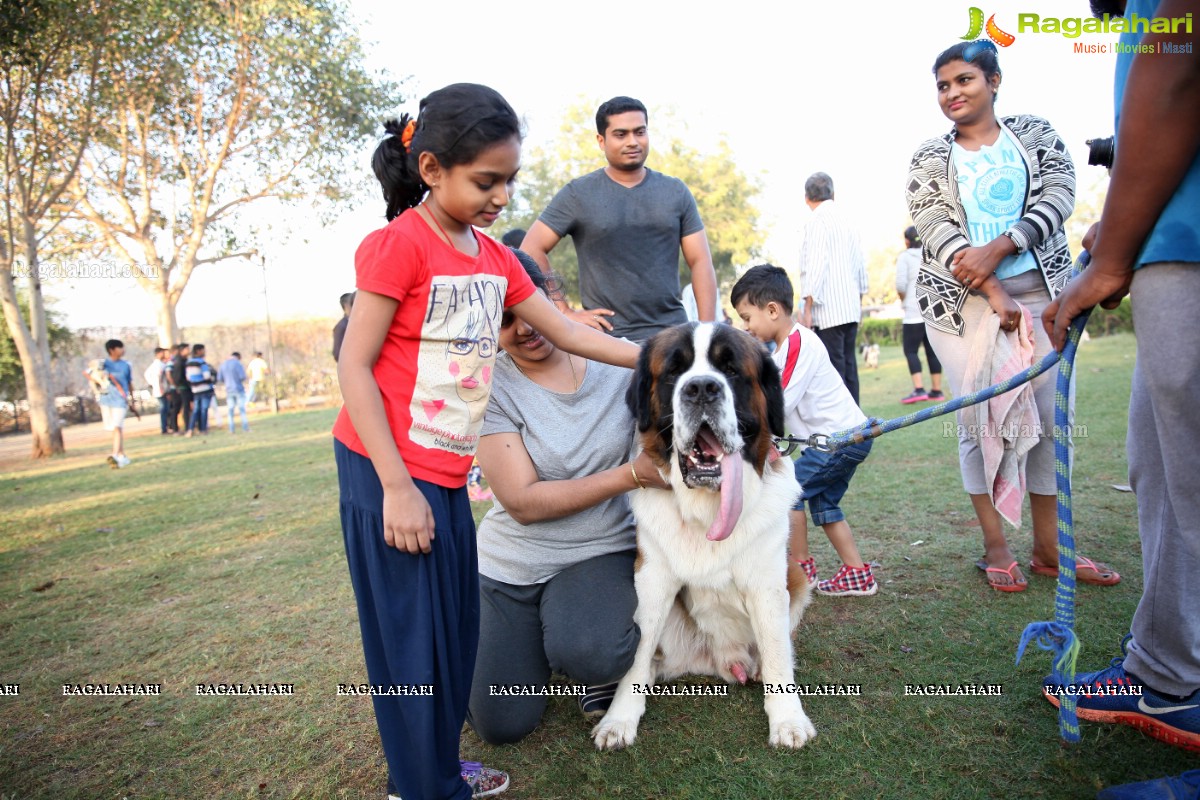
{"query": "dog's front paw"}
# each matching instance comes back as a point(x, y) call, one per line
point(613, 734)
point(793, 733)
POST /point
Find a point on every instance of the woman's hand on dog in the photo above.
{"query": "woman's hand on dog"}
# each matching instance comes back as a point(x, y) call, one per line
point(647, 472)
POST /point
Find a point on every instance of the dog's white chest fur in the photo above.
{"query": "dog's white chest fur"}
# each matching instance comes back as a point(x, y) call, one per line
point(672, 524)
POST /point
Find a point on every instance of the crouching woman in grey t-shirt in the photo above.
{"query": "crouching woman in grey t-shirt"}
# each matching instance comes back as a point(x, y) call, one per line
point(556, 550)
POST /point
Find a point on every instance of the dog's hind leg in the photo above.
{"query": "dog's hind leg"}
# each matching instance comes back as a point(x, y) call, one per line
point(656, 590)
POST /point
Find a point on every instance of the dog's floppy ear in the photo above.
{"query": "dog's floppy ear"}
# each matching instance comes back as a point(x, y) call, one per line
point(637, 396)
point(772, 386)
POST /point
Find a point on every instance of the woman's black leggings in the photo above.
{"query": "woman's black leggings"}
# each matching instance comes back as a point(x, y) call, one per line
point(914, 337)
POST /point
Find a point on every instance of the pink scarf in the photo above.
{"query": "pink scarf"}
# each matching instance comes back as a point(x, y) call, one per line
point(1006, 426)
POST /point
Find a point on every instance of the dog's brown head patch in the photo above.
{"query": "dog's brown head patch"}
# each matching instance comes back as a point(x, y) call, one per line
point(744, 365)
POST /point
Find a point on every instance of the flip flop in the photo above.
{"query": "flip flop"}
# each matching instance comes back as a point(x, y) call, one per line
point(1098, 577)
point(1015, 586)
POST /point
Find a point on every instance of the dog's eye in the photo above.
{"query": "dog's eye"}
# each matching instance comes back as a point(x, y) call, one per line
point(674, 368)
point(728, 367)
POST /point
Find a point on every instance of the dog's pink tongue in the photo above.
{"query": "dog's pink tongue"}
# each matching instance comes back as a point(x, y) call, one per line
point(731, 497)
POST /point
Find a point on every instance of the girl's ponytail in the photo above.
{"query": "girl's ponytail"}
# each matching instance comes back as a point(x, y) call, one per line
point(455, 123)
point(396, 167)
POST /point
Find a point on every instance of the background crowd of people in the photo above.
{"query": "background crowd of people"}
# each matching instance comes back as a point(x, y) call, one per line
point(182, 383)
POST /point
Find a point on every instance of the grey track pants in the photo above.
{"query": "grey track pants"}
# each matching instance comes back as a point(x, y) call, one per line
point(578, 624)
point(1164, 462)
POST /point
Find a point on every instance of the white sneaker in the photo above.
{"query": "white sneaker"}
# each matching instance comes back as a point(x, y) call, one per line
point(122, 461)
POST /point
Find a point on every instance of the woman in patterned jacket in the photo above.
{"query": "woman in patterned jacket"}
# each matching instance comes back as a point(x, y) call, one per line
point(989, 199)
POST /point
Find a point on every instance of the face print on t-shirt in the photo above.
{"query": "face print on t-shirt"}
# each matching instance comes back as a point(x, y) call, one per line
point(471, 354)
point(454, 364)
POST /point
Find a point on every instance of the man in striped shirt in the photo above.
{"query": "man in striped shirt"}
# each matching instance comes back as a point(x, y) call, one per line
point(833, 279)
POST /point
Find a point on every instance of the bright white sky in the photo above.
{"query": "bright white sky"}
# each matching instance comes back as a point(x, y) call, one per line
point(840, 88)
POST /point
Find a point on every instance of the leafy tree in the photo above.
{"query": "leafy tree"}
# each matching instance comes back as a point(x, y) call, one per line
point(1090, 191)
point(881, 276)
point(220, 104)
point(12, 376)
point(52, 54)
point(724, 195)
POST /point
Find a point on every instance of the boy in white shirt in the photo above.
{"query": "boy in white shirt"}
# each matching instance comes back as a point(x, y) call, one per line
point(815, 401)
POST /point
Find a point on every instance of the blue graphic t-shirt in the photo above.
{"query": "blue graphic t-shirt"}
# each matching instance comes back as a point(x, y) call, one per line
point(122, 372)
point(991, 187)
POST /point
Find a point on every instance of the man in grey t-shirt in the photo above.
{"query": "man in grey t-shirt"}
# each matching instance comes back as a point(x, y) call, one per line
point(628, 224)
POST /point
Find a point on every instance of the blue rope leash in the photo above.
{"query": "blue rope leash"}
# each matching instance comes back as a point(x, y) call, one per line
point(832, 442)
point(1057, 637)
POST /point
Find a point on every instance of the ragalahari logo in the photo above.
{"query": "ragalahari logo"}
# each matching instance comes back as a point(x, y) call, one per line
point(1000, 37)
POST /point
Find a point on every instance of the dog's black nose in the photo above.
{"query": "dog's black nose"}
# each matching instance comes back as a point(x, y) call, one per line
point(703, 389)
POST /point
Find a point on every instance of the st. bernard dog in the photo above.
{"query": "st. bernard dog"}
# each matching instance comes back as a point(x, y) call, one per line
point(711, 574)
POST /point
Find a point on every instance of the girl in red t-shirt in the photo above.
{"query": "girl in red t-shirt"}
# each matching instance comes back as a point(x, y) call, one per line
point(415, 371)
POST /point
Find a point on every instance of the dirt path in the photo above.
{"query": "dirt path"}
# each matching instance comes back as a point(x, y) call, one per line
point(15, 447)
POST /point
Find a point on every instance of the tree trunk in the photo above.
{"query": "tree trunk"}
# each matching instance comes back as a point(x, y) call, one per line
point(168, 328)
point(43, 419)
point(43, 416)
point(34, 355)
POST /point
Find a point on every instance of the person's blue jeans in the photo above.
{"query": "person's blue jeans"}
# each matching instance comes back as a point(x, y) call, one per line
point(236, 401)
point(164, 412)
point(253, 391)
point(825, 477)
point(200, 404)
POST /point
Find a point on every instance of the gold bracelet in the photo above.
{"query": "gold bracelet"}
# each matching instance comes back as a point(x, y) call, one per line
point(636, 479)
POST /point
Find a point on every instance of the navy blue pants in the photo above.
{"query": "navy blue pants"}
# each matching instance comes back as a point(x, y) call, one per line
point(419, 616)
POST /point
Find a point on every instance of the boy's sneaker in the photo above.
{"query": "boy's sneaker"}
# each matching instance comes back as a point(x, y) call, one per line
point(123, 460)
point(594, 702)
point(809, 565)
point(850, 582)
point(917, 396)
point(936, 395)
point(484, 781)
point(1113, 695)
point(1182, 787)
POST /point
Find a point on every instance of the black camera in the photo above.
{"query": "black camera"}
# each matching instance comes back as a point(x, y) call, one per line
point(1100, 152)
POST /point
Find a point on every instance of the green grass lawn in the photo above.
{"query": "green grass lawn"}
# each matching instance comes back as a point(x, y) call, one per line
point(220, 559)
